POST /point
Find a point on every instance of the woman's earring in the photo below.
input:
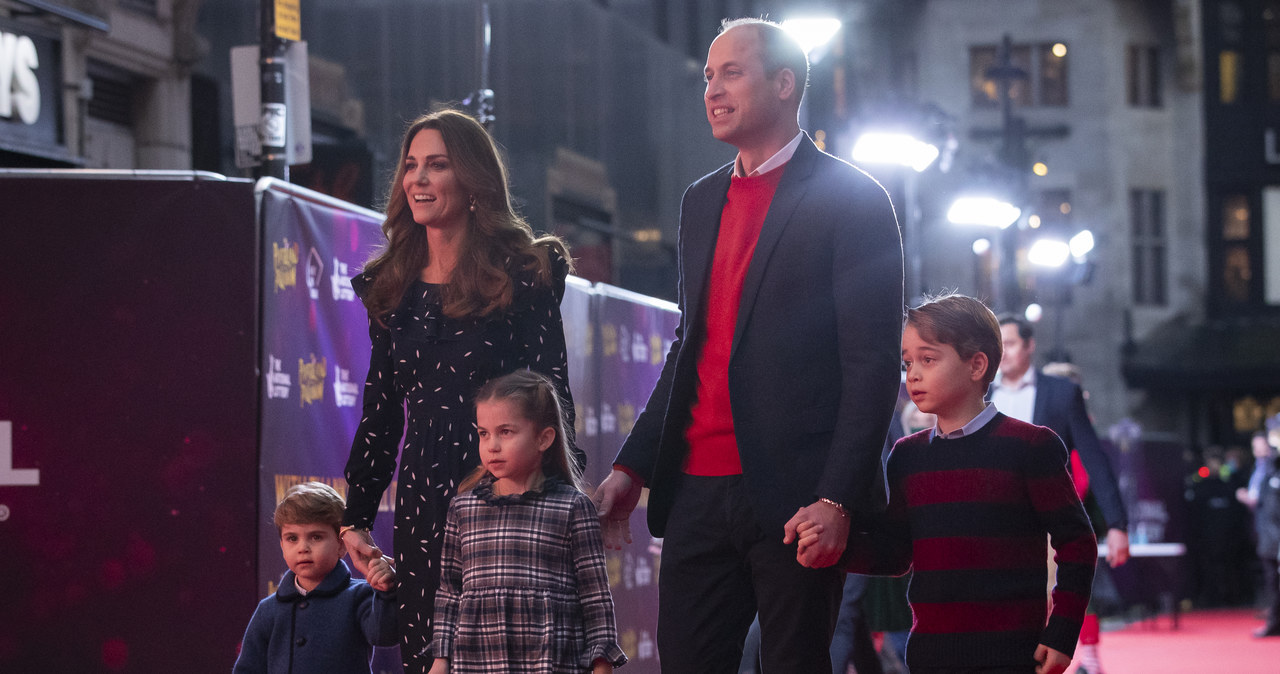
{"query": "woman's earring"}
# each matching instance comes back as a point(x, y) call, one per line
point(473, 203)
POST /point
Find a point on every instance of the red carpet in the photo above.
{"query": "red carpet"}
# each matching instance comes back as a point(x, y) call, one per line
point(1213, 642)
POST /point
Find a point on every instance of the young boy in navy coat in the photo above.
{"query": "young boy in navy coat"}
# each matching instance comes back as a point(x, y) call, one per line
point(320, 620)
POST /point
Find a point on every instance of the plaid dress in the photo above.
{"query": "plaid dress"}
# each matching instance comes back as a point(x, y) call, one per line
point(523, 585)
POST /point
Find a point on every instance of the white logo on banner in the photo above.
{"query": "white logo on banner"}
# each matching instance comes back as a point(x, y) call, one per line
point(315, 272)
point(345, 391)
point(278, 381)
point(592, 422)
point(639, 349)
point(10, 476)
point(608, 420)
point(624, 338)
point(341, 282)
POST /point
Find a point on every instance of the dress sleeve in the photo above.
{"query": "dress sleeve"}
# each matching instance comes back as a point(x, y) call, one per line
point(449, 596)
point(1075, 549)
point(593, 586)
point(372, 461)
point(539, 329)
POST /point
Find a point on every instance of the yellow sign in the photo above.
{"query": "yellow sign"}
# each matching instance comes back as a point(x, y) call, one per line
point(288, 20)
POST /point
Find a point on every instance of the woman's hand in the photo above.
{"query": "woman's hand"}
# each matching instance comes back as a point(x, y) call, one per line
point(360, 545)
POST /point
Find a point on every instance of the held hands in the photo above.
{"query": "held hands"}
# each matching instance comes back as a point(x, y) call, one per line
point(360, 546)
point(615, 499)
point(1051, 661)
point(1117, 547)
point(381, 575)
point(820, 532)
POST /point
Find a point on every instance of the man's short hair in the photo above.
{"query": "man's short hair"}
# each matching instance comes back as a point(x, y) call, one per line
point(310, 503)
point(778, 50)
point(1025, 331)
point(964, 323)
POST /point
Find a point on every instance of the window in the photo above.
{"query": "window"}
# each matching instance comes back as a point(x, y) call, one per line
point(1035, 74)
point(1230, 59)
point(1143, 76)
point(1271, 31)
point(1237, 263)
point(1146, 216)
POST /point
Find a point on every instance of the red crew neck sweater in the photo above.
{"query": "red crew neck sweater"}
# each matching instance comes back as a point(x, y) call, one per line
point(713, 448)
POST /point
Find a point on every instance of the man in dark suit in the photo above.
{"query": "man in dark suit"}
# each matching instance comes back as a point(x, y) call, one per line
point(777, 392)
point(1031, 395)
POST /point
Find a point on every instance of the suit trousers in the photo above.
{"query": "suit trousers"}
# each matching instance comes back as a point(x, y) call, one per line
point(719, 568)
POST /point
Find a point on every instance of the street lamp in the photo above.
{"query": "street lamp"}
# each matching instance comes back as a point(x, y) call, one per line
point(1056, 255)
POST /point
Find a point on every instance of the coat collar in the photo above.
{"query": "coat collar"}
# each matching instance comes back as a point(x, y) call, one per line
point(337, 581)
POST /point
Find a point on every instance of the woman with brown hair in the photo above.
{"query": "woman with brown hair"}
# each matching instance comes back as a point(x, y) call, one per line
point(461, 293)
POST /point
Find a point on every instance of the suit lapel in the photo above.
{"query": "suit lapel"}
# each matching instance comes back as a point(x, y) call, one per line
point(701, 227)
point(790, 192)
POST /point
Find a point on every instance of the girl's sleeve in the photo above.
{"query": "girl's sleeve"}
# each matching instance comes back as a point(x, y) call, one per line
point(593, 586)
point(450, 592)
point(1075, 549)
point(539, 328)
point(372, 461)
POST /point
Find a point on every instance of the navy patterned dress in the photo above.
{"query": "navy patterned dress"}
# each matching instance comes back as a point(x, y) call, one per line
point(429, 366)
point(525, 589)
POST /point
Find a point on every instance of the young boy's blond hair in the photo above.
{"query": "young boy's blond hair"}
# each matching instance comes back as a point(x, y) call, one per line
point(963, 323)
point(310, 503)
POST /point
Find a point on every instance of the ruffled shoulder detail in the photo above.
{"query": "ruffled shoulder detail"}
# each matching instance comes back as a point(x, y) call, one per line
point(362, 283)
point(484, 492)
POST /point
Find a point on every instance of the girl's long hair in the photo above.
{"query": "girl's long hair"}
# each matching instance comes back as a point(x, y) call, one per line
point(537, 401)
point(498, 241)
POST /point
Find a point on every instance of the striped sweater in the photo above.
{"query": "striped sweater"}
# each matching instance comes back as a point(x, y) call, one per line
point(969, 516)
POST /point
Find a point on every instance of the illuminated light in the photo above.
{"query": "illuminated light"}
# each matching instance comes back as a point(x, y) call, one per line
point(1081, 244)
point(1065, 208)
point(1034, 313)
point(1059, 49)
point(1049, 253)
point(902, 149)
point(1040, 168)
point(1033, 221)
point(812, 33)
point(981, 246)
point(985, 211)
point(1204, 472)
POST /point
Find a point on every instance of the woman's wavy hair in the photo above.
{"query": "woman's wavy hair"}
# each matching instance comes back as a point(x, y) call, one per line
point(498, 240)
point(537, 400)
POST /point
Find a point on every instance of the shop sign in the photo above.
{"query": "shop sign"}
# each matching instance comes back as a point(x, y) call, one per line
point(30, 66)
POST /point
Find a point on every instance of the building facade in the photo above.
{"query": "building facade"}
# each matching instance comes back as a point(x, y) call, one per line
point(97, 83)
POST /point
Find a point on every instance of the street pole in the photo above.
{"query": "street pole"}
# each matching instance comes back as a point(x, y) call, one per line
point(273, 129)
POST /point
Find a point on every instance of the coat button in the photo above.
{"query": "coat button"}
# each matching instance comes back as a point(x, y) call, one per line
point(302, 641)
point(302, 604)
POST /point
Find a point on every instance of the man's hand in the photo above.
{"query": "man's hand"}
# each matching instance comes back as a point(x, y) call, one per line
point(1051, 661)
point(1117, 547)
point(828, 524)
point(615, 499)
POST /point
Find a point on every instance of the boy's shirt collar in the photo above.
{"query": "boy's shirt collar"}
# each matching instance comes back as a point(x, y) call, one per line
point(335, 582)
point(987, 414)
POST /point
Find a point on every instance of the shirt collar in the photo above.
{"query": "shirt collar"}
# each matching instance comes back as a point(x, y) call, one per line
point(1028, 378)
point(778, 159)
point(987, 414)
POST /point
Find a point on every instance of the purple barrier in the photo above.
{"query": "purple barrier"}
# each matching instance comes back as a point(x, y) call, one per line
point(635, 334)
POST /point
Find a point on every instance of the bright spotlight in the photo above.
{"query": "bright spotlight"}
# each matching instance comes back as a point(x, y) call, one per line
point(880, 147)
point(985, 211)
point(981, 246)
point(812, 33)
point(1034, 313)
point(1049, 253)
point(1081, 244)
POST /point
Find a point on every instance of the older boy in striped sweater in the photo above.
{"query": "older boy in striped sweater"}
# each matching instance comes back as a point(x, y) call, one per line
point(970, 503)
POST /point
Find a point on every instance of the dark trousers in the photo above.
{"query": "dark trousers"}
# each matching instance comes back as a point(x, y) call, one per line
point(719, 568)
point(852, 643)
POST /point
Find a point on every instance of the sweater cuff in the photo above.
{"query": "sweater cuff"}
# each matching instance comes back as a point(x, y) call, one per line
point(609, 652)
point(635, 477)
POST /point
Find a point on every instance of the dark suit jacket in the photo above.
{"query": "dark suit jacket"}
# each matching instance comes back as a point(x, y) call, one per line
point(1059, 405)
point(814, 366)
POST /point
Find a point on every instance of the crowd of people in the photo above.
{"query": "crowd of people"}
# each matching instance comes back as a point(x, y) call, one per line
point(762, 445)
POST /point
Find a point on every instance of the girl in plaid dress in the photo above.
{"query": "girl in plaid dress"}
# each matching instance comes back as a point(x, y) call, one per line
point(523, 585)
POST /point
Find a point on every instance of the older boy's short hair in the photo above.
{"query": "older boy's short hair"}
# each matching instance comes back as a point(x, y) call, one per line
point(310, 503)
point(964, 323)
